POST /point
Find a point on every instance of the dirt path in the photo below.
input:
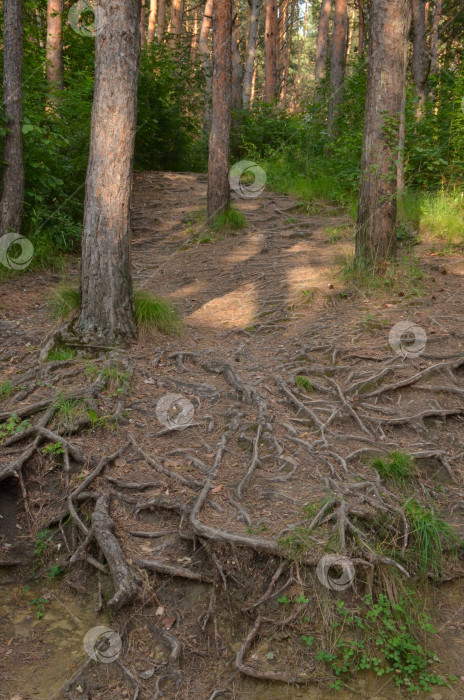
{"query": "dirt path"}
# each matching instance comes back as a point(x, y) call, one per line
point(252, 447)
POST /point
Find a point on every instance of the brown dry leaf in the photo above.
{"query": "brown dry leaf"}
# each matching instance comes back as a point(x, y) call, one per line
point(168, 621)
point(120, 462)
point(217, 489)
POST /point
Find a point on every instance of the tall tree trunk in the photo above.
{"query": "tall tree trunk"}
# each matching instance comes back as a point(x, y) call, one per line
point(349, 36)
point(194, 44)
point(152, 21)
point(143, 34)
point(218, 164)
point(322, 46)
point(270, 46)
point(203, 47)
point(337, 61)
point(435, 35)
point(400, 180)
point(107, 306)
point(386, 75)
point(251, 52)
point(54, 44)
point(419, 52)
point(361, 28)
point(161, 19)
point(177, 14)
point(287, 55)
point(11, 204)
point(236, 67)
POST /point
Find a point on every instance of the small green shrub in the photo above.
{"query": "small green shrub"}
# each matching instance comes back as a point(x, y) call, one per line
point(229, 221)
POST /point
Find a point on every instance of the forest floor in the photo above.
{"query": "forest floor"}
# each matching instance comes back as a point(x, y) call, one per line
point(236, 477)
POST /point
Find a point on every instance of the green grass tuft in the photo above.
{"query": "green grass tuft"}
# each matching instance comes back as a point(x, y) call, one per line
point(64, 301)
point(397, 466)
point(229, 221)
point(60, 354)
point(153, 313)
point(6, 389)
point(431, 535)
point(402, 277)
point(303, 383)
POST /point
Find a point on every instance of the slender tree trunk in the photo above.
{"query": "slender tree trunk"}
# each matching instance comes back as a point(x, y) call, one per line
point(419, 52)
point(400, 180)
point(251, 52)
point(337, 61)
point(281, 36)
point(203, 47)
point(322, 46)
point(194, 45)
point(152, 21)
point(287, 55)
point(11, 204)
point(54, 45)
point(161, 19)
point(361, 28)
point(107, 306)
point(349, 36)
point(218, 165)
point(435, 35)
point(270, 45)
point(177, 14)
point(377, 209)
point(237, 70)
point(143, 34)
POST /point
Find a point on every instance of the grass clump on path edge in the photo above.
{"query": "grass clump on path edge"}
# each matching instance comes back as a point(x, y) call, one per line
point(152, 312)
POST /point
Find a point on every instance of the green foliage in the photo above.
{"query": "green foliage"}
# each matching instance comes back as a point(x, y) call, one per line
point(56, 448)
point(61, 354)
point(431, 536)
point(229, 221)
point(6, 390)
point(42, 542)
point(402, 277)
point(39, 605)
point(54, 571)
point(382, 637)
point(303, 383)
point(397, 466)
point(12, 426)
point(154, 313)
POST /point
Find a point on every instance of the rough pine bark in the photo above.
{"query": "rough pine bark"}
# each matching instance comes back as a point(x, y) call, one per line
point(361, 28)
point(177, 14)
point(322, 45)
point(437, 10)
point(419, 52)
point(54, 44)
point(161, 19)
point(218, 164)
point(270, 49)
point(107, 306)
point(203, 47)
point(152, 21)
point(386, 75)
point(251, 52)
point(11, 204)
point(337, 61)
point(237, 70)
point(143, 33)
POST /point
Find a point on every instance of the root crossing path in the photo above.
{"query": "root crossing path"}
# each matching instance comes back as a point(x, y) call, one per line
point(196, 481)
